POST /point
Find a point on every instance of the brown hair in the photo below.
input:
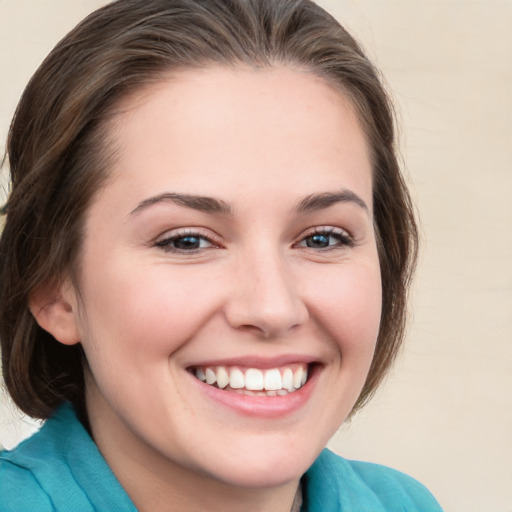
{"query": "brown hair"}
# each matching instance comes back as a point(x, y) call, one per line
point(59, 158)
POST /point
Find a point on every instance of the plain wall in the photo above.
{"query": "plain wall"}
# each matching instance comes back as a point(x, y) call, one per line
point(445, 413)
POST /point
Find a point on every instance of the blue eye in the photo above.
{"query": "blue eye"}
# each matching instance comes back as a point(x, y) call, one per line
point(187, 242)
point(319, 241)
point(326, 239)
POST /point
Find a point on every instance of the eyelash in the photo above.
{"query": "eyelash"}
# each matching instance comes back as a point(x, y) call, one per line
point(167, 243)
point(342, 238)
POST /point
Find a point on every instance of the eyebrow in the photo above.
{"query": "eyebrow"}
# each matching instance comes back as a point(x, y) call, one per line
point(206, 204)
point(323, 200)
point(200, 203)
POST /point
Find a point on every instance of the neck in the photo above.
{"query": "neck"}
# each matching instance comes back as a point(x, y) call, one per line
point(170, 488)
point(154, 482)
point(159, 495)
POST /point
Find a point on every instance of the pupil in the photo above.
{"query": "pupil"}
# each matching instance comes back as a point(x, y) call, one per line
point(318, 241)
point(187, 242)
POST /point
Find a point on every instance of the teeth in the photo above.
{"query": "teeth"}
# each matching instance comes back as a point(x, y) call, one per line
point(273, 380)
point(236, 379)
point(254, 379)
point(222, 377)
point(304, 377)
point(255, 382)
point(211, 377)
point(297, 378)
point(288, 379)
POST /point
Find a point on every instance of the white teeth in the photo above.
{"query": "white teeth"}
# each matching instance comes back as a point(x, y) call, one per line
point(211, 377)
point(273, 380)
point(304, 377)
point(297, 378)
point(236, 379)
point(254, 379)
point(255, 382)
point(288, 379)
point(222, 377)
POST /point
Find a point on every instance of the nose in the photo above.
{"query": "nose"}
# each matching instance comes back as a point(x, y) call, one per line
point(265, 298)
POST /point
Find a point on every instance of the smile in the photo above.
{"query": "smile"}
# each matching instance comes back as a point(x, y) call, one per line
point(253, 381)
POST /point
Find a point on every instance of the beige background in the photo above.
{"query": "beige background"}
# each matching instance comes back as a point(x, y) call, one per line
point(445, 413)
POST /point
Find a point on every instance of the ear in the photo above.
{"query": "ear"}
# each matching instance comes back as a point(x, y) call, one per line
point(54, 307)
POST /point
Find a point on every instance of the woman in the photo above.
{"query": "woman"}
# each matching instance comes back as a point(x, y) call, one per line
point(204, 263)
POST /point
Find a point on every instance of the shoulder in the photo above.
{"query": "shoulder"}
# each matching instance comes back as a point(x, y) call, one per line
point(342, 484)
point(28, 471)
point(19, 488)
point(59, 469)
point(394, 486)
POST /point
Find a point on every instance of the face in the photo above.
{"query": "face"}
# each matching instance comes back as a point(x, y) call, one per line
point(230, 285)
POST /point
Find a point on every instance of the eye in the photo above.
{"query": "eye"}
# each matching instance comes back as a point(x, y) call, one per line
point(185, 242)
point(326, 238)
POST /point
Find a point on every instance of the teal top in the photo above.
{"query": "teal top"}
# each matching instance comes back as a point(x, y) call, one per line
point(60, 469)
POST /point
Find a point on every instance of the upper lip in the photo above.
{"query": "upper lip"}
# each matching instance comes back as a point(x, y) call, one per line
point(258, 361)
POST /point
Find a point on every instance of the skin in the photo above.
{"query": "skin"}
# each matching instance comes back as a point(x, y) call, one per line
point(259, 141)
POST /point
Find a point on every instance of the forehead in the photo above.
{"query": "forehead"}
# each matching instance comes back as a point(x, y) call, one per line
point(199, 128)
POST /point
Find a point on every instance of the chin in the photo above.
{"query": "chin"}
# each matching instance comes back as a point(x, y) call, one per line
point(270, 467)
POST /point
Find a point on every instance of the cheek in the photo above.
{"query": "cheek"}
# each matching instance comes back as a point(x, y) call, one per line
point(150, 311)
point(350, 308)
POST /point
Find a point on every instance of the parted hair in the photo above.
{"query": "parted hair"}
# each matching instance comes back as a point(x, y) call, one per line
point(59, 155)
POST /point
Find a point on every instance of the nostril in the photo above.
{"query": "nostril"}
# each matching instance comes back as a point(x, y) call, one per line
point(266, 320)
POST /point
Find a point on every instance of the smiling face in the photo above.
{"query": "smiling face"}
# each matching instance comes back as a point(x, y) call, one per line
point(231, 255)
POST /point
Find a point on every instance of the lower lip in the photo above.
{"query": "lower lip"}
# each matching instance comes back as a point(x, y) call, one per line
point(261, 406)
